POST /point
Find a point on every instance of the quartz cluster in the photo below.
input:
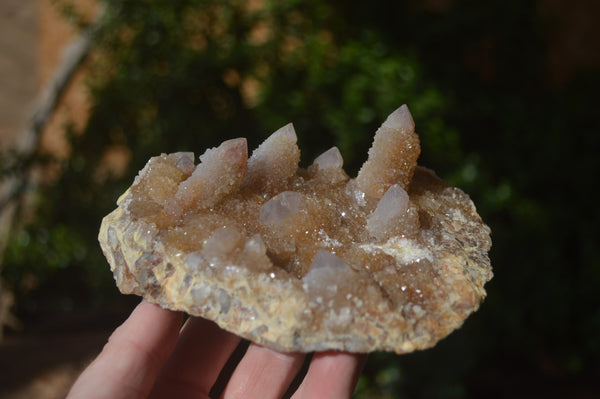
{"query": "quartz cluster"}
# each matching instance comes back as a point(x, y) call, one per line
point(304, 259)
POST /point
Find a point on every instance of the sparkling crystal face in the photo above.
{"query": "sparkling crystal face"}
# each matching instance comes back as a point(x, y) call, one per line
point(304, 259)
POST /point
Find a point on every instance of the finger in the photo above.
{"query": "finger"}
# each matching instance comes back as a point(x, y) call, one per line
point(331, 375)
point(129, 362)
point(263, 373)
point(202, 350)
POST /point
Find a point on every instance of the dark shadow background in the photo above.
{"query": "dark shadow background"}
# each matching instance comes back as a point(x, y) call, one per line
point(505, 98)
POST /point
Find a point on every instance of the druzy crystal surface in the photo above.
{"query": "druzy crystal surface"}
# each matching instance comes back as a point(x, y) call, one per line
point(304, 259)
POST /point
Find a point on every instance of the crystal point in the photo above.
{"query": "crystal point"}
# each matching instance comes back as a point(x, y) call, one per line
point(392, 157)
point(325, 274)
point(330, 159)
point(220, 172)
point(278, 208)
point(392, 216)
point(400, 119)
point(274, 161)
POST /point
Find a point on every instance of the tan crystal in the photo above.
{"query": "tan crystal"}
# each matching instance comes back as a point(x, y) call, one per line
point(392, 157)
point(304, 259)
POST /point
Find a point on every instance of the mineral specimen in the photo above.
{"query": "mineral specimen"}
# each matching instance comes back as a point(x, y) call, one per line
point(304, 259)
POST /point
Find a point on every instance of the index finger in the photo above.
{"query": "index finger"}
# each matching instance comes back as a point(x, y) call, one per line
point(129, 362)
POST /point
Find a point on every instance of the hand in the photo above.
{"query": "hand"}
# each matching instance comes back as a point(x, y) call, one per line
point(149, 356)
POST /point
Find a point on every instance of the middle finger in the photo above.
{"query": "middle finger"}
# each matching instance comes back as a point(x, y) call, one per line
point(263, 373)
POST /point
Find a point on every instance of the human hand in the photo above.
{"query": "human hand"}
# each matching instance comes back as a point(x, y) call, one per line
point(150, 356)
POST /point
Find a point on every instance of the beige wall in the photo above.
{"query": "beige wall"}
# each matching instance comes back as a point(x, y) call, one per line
point(18, 60)
point(55, 35)
point(33, 37)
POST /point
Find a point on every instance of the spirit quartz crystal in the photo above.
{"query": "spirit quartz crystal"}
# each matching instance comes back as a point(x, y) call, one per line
point(304, 259)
